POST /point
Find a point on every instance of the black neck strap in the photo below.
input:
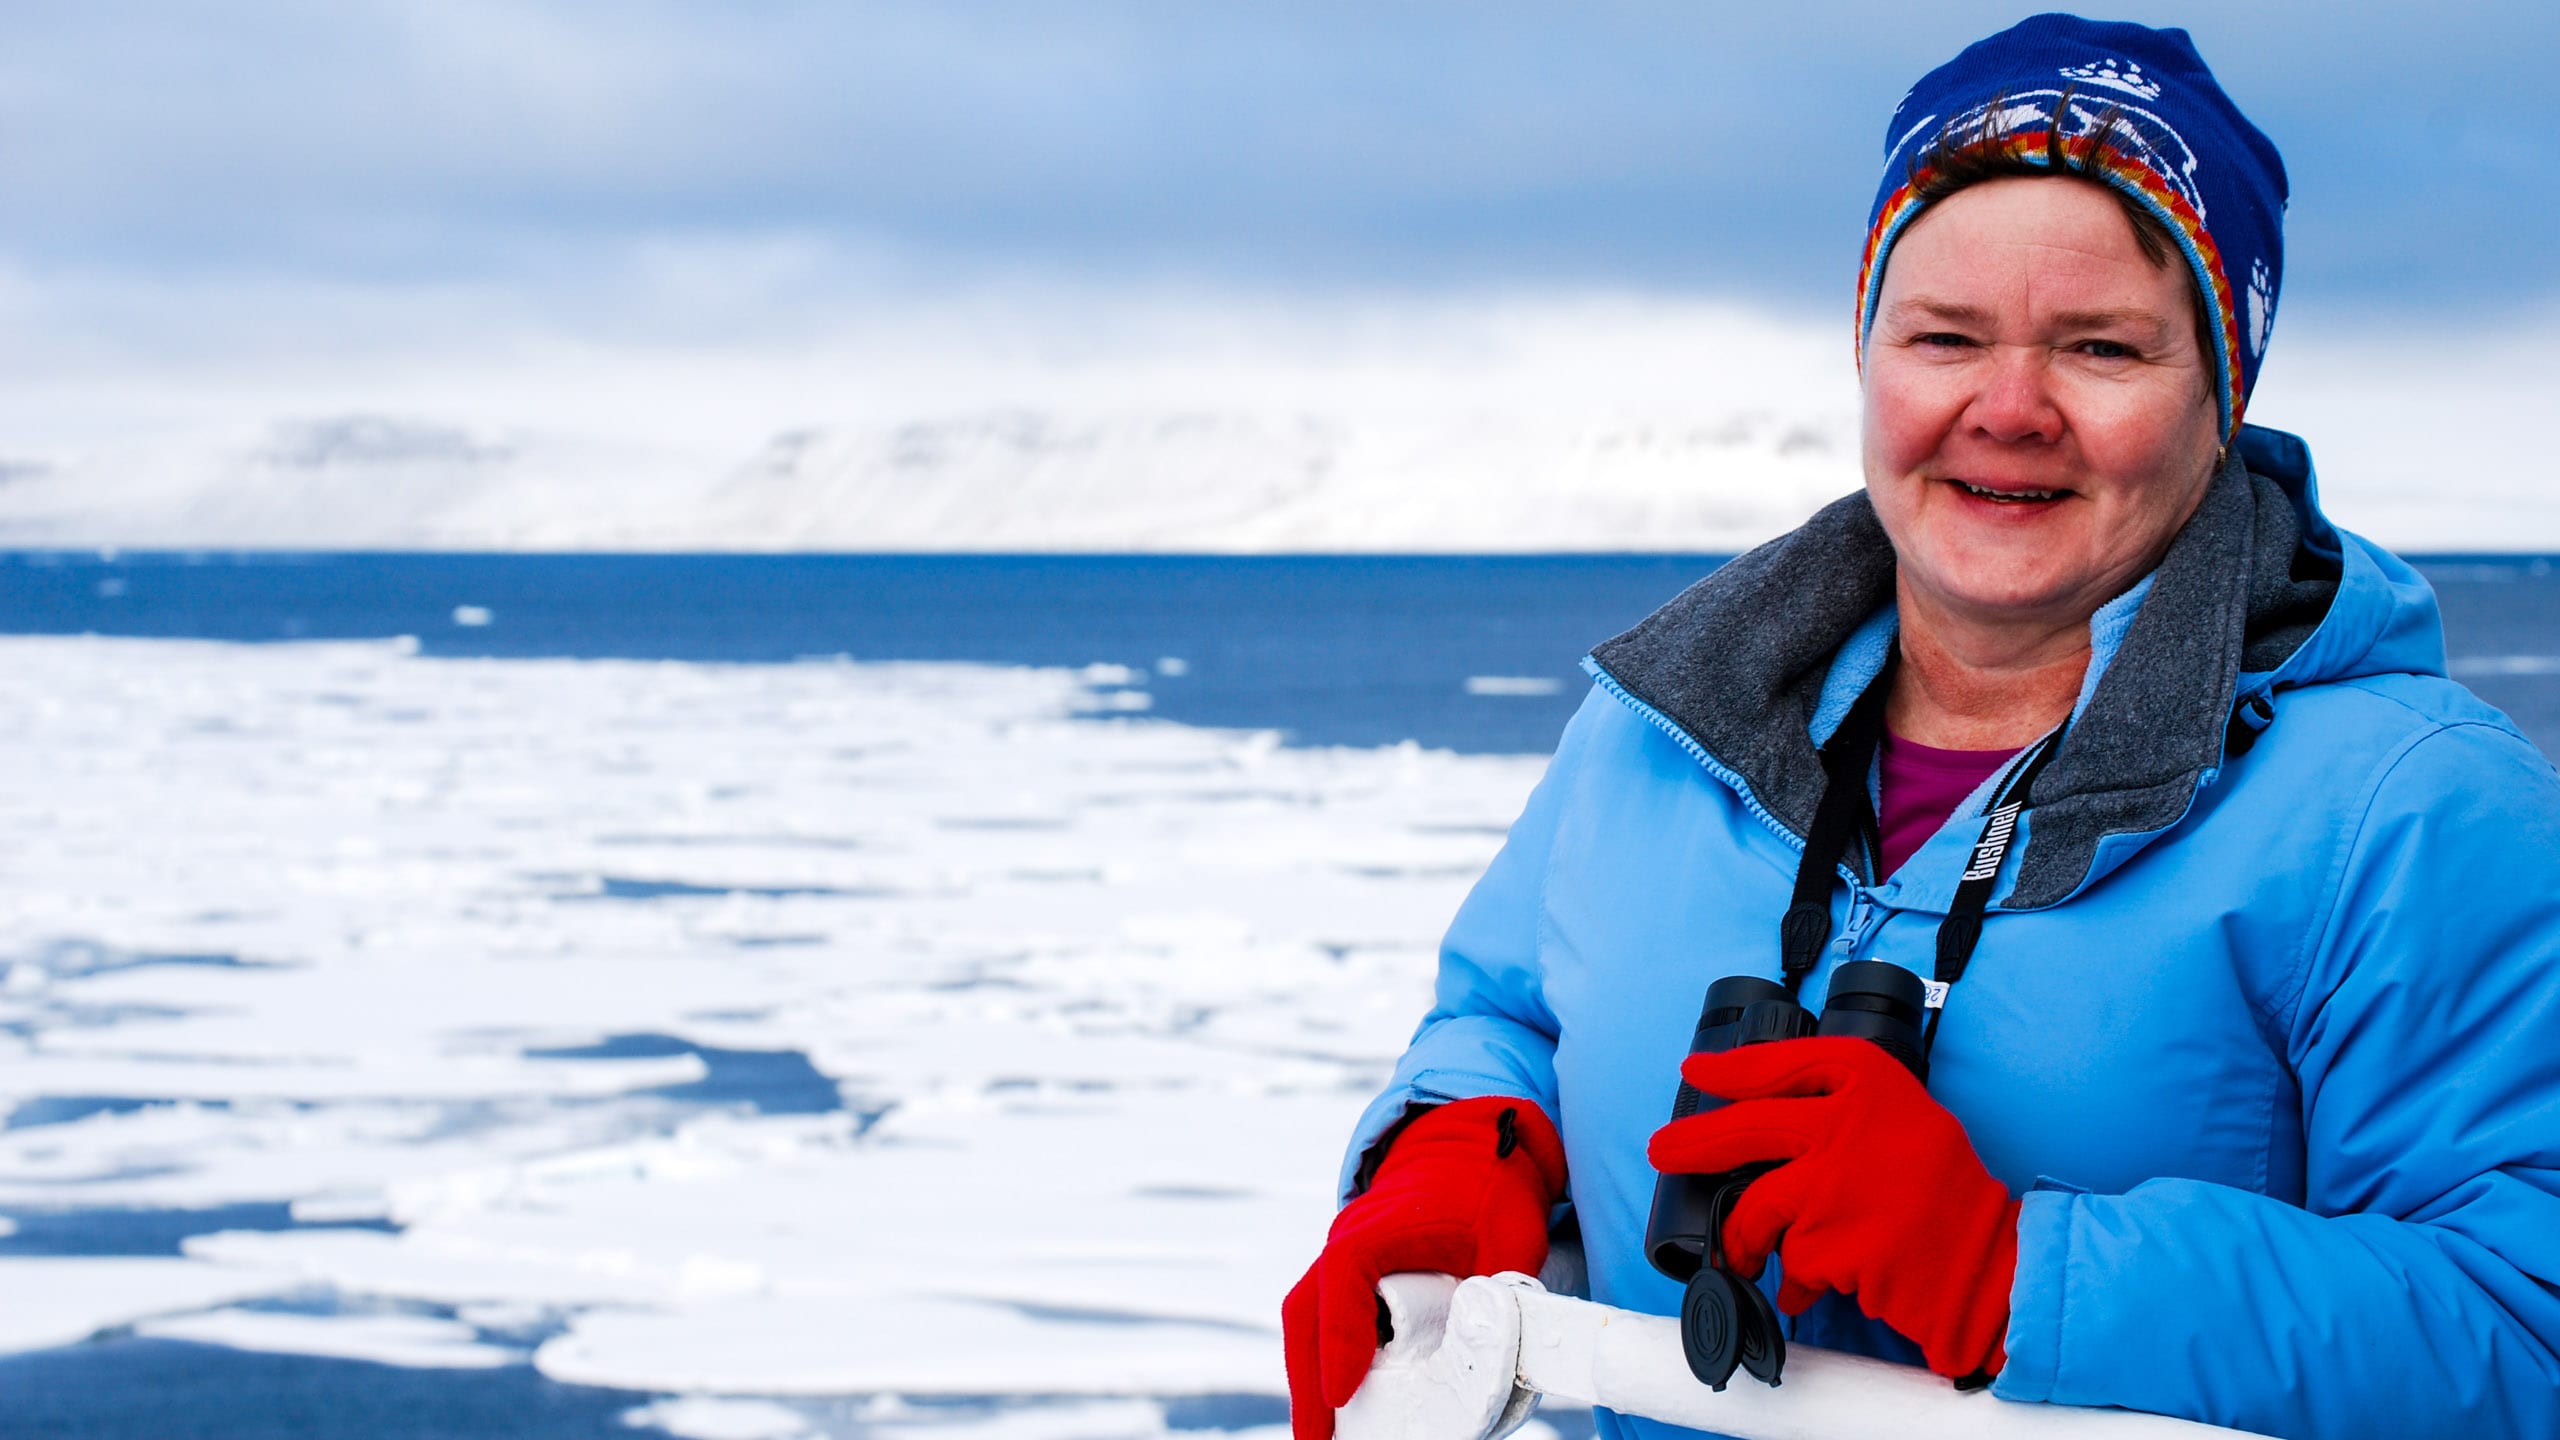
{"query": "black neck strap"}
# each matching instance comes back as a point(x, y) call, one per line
point(1962, 929)
point(1846, 810)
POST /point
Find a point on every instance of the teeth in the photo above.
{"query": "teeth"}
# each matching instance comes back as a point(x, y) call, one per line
point(2010, 496)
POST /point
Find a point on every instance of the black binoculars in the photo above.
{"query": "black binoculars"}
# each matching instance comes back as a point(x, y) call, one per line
point(1725, 1322)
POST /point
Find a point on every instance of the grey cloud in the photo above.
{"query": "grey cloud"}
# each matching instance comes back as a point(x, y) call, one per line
point(1701, 146)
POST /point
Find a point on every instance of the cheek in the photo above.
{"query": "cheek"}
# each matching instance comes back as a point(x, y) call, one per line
point(1905, 417)
point(2154, 447)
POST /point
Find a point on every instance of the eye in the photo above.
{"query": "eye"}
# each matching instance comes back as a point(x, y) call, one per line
point(2109, 350)
point(1942, 339)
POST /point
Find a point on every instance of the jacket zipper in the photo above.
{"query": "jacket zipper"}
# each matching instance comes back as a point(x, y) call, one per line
point(1713, 766)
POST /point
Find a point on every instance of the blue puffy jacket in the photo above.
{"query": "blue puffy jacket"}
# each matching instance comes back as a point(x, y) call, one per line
point(2264, 1021)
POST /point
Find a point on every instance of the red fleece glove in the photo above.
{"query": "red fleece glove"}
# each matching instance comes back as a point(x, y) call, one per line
point(1465, 1190)
point(1880, 1194)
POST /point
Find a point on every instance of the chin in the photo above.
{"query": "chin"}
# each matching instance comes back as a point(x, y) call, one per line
point(1988, 582)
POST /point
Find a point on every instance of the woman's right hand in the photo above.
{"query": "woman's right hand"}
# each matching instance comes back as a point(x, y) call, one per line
point(1466, 1189)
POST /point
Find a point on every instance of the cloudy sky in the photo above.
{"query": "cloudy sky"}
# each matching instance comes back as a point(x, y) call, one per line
point(578, 148)
point(618, 238)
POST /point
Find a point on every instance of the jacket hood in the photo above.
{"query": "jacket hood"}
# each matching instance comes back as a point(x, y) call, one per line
point(2258, 593)
point(2382, 619)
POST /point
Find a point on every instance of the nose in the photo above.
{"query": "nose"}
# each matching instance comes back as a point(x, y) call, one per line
point(2016, 404)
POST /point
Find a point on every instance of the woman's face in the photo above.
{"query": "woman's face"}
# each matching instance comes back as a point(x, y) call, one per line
point(2039, 418)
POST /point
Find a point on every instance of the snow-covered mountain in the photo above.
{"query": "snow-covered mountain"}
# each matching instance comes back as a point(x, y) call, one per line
point(1007, 479)
point(1605, 424)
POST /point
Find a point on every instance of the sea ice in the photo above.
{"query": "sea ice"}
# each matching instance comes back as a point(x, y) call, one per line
point(416, 1340)
point(1093, 1002)
point(713, 1417)
point(61, 1300)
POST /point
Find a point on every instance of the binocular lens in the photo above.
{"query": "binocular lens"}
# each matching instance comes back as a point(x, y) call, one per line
point(1729, 997)
point(1875, 987)
point(1880, 1001)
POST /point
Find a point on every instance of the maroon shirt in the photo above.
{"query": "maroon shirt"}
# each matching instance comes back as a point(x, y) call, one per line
point(1918, 787)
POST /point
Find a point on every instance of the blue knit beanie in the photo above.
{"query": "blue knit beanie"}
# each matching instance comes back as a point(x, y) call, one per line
point(2130, 106)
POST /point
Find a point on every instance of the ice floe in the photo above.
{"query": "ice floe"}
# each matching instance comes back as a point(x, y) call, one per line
point(59, 1300)
point(419, 1341)
point(758, 1032)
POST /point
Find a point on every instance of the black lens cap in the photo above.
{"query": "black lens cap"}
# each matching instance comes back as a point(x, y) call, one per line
point(1711, 1326)
point(1726, 1324)
point(1764, 1335)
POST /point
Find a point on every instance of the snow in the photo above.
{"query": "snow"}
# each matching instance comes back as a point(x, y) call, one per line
point(1094, 1003)
point(1140, 422)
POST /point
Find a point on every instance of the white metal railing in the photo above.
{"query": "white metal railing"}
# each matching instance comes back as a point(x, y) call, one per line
point(1470, 1361)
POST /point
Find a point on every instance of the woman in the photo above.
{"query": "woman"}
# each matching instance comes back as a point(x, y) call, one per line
point(2243, 1103)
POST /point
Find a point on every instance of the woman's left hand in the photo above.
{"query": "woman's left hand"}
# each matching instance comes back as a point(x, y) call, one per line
point(1878, 1194)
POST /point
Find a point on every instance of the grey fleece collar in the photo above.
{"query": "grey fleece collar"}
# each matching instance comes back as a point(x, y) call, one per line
point(1738, 662)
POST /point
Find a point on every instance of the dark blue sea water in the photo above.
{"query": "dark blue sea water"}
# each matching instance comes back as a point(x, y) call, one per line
point(1330, 650)
point(1354, 650)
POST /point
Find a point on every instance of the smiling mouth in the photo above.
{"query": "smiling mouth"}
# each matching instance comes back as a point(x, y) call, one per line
point(2009, 497)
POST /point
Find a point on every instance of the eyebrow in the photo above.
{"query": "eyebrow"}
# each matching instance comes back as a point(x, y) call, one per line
point(2103, 319)
point(1942, 310)
point(1959, 314)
